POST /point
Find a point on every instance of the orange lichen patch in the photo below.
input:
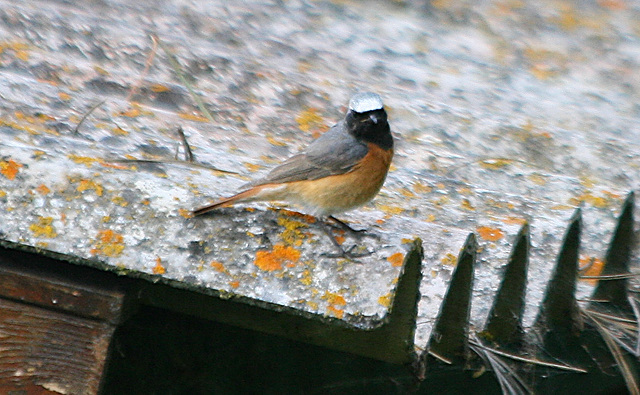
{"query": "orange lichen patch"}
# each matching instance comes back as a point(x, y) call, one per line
point(562, 207)
point(441, 201)
point(291, 234)
point(159, 88)
point(84, 160)
point(340, 239)
point(500, 204)
point(490, 234)
point(309, 119)
point(234, 284)
point(193, 117)
point(120, 201)
point(131, 112)
point(43, 189)
point(407, 193)
point(278, 143)
point(185, 213)
point(338, 313)
point(537, 179)
point(90, 185)
point(587, 182)
point(43, 228)
point(546, 135)
point(158, 268)
point(396, 259)
point(419, 187)
point(334, 299)
point(64, 96)
point(449, 260)
point(590, 266)
point(308, 218)
point(306, 278)
point(589, 198)
point(119, 131)
point(218, 266)
point(134, 111)
point(274, 259)
point(466, 205)
point(100, 70)
point(108, 243)
point(514, 221)
point(612, 195)
point(495, 164)
point(9, 168)
point(385, 300)
point(430, 218)
point(115, 166)
point(17, 126)
point(390, 210)
point(252, 167)
point(20, 50)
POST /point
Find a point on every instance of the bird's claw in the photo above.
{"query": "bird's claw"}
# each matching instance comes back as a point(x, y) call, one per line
point(347, 254)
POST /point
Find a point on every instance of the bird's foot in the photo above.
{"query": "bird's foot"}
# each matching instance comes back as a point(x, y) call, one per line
point(347, 254)
point(359, 233)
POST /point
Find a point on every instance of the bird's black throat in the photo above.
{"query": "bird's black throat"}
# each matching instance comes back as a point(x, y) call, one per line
point(371, 127)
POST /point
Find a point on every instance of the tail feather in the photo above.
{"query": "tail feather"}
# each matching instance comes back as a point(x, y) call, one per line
point(242, 196)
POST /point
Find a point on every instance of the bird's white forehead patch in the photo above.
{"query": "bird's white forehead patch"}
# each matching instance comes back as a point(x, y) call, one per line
point(365, 101)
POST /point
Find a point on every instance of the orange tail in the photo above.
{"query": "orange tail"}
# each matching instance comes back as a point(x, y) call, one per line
point(227, 201)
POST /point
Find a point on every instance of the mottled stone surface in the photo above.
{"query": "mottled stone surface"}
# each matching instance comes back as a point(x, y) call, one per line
point(504, 112)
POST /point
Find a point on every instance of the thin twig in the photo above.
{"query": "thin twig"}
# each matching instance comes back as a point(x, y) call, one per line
point(610, 276)
point(529, 360)
point(614, 348)
point(441, 358)
point(510, 382)
point(611, 317)
point(92, 109)
point(169, 161)
point(188, 155)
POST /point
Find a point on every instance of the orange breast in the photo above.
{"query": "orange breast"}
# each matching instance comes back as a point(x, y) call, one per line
point(339, 193)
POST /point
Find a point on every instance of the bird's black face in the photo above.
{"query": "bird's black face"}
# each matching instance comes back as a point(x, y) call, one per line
point(370, 126)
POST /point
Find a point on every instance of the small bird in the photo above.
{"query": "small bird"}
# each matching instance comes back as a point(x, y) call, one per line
point(341, 170)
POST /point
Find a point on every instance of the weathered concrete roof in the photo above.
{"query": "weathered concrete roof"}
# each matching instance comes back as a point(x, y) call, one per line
point(504, 113)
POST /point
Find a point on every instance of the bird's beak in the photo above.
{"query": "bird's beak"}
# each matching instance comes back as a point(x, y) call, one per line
point(373, 118)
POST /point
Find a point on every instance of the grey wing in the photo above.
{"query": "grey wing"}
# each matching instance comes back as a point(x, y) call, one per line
point(335, 152)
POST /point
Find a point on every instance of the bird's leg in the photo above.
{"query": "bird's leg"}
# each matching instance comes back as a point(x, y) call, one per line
point(342, 253)
point(355, 232)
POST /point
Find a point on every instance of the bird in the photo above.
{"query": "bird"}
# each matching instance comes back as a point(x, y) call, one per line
point(341, 170)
